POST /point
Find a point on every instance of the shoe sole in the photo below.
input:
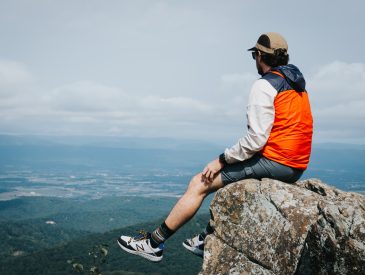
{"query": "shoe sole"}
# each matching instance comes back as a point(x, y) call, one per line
point(138, 253)
point(195, 251)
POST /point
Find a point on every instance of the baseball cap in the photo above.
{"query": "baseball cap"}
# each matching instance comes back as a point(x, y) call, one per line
point(270, 42)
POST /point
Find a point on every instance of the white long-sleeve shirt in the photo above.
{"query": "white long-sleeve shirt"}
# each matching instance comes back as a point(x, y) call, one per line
point(260, 119)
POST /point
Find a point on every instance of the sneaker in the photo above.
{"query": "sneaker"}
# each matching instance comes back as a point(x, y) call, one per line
point(140, 245)
point(195, 245)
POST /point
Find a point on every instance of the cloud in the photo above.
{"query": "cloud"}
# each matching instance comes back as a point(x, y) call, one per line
point(337, 93)
point(236, 88)
point(14, 76)
point(104, 102)
point(87, 96)
point(241, 81)
point(12, 72)
point(87, 107)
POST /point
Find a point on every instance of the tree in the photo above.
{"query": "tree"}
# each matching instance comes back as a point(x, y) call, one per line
point(98, 254)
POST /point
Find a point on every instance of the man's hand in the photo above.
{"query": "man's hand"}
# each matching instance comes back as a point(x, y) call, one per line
point(211, 170)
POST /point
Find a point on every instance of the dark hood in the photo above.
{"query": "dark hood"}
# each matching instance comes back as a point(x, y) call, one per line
point(293, 76)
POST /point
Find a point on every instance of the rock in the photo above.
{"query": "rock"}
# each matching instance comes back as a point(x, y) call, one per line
point(271, 227)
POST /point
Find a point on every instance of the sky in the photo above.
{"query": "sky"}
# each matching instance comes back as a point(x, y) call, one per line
point(179, 69)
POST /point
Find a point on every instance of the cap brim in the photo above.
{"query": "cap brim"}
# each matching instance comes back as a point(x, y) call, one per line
point(252, 49)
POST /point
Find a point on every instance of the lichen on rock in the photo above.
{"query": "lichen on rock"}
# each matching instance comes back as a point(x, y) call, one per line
point(271, 227)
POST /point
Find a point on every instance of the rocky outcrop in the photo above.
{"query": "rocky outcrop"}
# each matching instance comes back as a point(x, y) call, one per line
point(271, 227)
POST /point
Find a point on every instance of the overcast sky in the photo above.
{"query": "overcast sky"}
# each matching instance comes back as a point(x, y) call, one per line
point(172, 68)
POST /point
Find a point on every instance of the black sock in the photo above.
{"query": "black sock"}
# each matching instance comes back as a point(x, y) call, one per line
point(208, 230)
point(160, 234)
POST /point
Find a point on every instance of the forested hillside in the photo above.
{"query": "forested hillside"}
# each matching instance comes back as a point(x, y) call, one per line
point(54, 261)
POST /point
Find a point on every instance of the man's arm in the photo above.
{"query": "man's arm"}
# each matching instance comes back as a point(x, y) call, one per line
point(260, 118)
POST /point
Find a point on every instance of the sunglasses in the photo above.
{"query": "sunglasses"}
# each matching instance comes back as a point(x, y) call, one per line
point(254, 53)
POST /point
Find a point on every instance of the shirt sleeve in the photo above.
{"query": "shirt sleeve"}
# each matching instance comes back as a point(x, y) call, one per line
point(260, 119)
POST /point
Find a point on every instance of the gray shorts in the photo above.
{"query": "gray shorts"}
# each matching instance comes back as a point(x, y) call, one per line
point(259, 167)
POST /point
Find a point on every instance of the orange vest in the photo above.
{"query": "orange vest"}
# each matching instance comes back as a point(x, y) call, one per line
point(290, 139)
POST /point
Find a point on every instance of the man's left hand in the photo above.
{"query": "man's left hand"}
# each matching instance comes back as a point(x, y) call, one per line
point(211, 170)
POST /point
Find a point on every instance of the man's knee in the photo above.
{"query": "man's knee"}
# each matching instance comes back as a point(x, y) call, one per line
point(197, 185)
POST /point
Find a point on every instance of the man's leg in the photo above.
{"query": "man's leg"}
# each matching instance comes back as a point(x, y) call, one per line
point(191, 201)
point(150, 246)
point(186, 207)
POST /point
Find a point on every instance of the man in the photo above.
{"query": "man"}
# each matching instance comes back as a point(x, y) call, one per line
point(277, 145)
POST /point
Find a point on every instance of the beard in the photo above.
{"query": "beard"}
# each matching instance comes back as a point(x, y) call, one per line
point(259, 69)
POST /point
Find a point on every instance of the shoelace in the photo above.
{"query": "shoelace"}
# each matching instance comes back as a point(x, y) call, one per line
point(142, 235)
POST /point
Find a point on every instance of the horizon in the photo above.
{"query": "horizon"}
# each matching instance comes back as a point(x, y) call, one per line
point(50, 137)
point(99, 166)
